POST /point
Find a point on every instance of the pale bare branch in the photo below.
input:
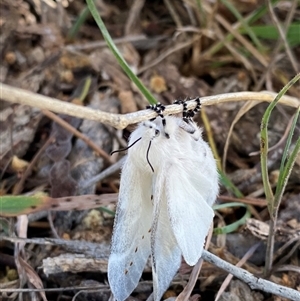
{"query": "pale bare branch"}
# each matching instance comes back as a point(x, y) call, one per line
point(254, 282)
point(21, 96)
point(90, 249)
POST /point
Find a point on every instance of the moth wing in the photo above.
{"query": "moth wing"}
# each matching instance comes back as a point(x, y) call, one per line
point(199, 163)
point(189, 213)
point(131, 235)
point(205, 177)
point(166, 255)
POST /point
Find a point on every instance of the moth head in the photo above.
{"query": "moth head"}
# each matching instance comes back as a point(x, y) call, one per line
point(150, 130)
point(145, 144)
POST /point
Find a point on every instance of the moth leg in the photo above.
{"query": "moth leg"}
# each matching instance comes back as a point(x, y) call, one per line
point(187, 115)
point(181, 102)
point(185, 111)
point(191, 113)
point(187, 123)
point(159, 108)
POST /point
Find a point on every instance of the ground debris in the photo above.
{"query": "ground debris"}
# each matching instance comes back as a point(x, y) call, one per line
point(179, 50)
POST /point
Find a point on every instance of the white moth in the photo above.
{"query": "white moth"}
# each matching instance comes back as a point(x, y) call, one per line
point(168, 184)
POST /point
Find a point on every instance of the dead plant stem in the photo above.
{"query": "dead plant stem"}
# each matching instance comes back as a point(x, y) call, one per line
point(21, 96)
point(254, 282)
point(89, 250)
point(282, 35)
point(270, 242)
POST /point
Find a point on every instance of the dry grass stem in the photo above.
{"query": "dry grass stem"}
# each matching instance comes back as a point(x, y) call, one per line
point(251, 280)
point(118, 121)
point(134, 15)
point(233, 30)
point(239, 264)
point(247, 106)
point(282, 35)
point(79, 135)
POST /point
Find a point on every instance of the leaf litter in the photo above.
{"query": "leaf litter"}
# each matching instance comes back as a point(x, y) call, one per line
point(179, 50)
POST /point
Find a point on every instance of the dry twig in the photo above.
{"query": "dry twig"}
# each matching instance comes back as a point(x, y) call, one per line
point(251, 280)
point(21, 96)
point(254, 282)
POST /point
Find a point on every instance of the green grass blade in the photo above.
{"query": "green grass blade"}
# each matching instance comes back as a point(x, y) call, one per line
point(253, 17)
point(235, 225)
point(270, 32)
point(117, 53)
point(104, 209)
point(80, 20)
point(264, 147)
point(287, 145)
point(260, 12)
point(4, 226)
point(264, 144)
point(14, 205)
point(273, 202)
point(226, 182)
point(202, 13)
point(86, 88)
point(286, 172)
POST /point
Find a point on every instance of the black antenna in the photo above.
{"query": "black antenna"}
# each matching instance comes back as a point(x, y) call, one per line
point(148, 155)
point(126, 148)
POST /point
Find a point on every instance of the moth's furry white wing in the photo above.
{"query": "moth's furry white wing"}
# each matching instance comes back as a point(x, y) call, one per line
point(205, 177)
point(189, 213)
point(166, 255)
point(196, 159)
point(131, 236)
